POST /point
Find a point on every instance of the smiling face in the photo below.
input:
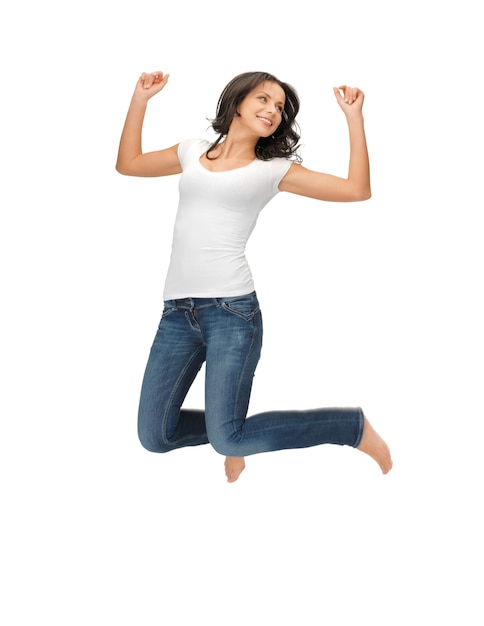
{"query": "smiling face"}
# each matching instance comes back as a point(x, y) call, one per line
point(261, 110)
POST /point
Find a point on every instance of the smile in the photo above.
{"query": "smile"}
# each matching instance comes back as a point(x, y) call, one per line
point(265, 120)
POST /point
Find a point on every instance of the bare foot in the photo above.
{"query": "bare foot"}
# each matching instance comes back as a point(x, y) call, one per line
point(372, 444)
point(234, 466)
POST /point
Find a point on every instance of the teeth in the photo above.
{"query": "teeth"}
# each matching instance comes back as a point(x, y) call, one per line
point(265, 120)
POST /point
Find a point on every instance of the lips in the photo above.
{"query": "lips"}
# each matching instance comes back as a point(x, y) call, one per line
point(265, 120)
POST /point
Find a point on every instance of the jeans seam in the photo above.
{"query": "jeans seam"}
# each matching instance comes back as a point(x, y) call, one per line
point(247, 318)
point(234, 417)
point(164, 436)
point(197, 329)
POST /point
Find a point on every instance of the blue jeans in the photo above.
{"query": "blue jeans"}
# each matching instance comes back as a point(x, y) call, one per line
point(226, 334)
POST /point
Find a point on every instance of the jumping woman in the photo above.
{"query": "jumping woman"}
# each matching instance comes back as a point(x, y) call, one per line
point(211, 313)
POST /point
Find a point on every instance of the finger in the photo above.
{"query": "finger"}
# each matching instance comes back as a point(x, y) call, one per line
point(346, 93)
point(357, 94)
point(339, 92)
point(149, 80)
point(146, 80)
point(164, 79)
point(155, 78)
point(350, 94)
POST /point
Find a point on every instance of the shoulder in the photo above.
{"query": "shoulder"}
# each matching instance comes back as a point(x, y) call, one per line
point(191, 146)
point(278, 168)
point(271, 171)
point(281, 164)
point(277, 164)
point(295, 176)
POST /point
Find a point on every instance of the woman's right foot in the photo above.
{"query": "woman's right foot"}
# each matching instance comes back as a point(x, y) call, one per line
point(373, 445)
point(234, 466)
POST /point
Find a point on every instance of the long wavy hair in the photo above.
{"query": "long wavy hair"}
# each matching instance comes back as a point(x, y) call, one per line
point(284, 141)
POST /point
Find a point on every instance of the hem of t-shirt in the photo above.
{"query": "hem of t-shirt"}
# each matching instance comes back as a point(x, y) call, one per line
point(210, 294)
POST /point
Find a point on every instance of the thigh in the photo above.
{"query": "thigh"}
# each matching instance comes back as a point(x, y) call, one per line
point(234, 341)
point(175, 358)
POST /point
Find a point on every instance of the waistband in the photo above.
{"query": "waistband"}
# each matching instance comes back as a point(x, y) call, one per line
point(204, 302)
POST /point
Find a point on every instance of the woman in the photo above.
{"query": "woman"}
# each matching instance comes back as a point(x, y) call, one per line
point(211, 313)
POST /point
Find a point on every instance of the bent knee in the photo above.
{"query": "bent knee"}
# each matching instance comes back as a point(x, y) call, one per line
point(225, 447)
point(153, 443)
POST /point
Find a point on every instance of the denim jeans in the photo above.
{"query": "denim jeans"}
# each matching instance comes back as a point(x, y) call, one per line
point(226, 335)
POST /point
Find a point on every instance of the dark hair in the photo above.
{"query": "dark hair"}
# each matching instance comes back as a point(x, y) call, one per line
point(284, 141)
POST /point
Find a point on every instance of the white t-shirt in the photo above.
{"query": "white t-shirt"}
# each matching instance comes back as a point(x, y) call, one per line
point(217, 212)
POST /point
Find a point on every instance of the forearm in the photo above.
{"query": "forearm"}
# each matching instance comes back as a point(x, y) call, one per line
point(359, 166)
point(130, 145)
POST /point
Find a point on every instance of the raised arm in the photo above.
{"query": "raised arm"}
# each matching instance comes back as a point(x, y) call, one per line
point(131, 159)
point(356, 186)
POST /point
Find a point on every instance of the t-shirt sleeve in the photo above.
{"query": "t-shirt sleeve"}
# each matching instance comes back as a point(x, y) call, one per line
point(183, 149)
point(280, 168)
point(191, 149)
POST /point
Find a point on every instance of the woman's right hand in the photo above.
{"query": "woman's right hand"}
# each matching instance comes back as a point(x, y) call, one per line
point(149, 84)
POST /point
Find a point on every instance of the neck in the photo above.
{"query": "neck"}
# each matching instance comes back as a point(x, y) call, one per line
point(237, 147)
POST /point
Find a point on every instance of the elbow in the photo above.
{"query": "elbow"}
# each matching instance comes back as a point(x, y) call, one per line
point(122, 169)
point(362, 194)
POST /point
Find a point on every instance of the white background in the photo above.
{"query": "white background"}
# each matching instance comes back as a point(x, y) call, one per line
point(377, 304)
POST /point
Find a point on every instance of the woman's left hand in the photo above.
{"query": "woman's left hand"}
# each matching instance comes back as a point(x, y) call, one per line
point(350, 99)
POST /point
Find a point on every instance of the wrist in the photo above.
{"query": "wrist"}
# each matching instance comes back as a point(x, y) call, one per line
point(355, 118)
point(139, 100)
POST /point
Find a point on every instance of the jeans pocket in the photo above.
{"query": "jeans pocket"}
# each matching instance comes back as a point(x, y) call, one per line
point(245, 307)
point(168, 308)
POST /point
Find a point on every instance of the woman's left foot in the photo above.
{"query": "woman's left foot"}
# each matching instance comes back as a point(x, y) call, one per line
point(373, 445)
point(234, 466)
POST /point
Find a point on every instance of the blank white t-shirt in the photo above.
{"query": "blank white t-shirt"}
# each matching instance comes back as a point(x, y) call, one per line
point(217, 212)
